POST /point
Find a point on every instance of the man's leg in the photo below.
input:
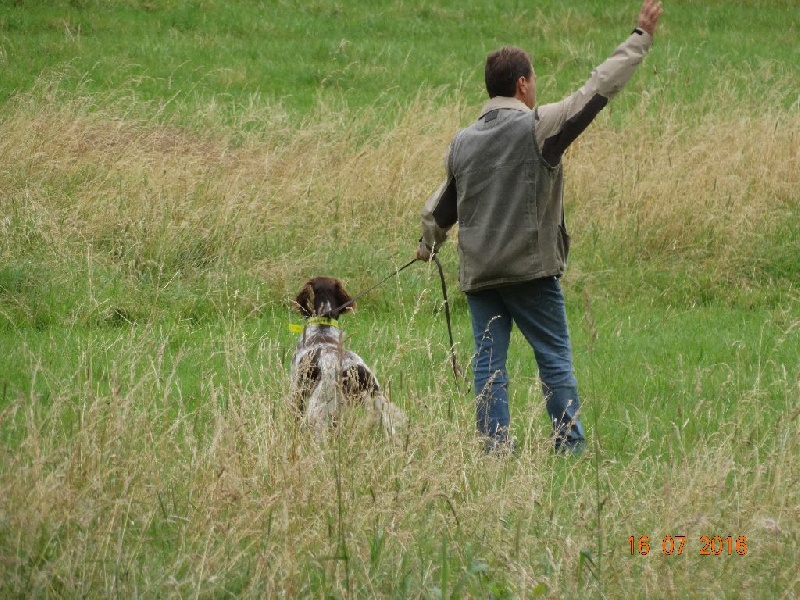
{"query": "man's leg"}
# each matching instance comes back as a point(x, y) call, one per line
point(491, 328)
point(538, 310)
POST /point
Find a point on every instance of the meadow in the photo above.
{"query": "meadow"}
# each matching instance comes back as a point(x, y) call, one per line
point(172, 172)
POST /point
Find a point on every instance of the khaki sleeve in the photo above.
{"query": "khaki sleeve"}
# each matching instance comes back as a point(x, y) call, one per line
point(439, 214)
point(605, 82)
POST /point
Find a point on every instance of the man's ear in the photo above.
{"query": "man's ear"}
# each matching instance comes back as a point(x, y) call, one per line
point(522, 87)
point(343, 297)
point(304, 302)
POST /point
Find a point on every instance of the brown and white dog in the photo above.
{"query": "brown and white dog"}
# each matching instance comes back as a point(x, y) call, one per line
point(327, 377)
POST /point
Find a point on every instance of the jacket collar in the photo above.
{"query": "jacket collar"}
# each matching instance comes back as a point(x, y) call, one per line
point(500, 102)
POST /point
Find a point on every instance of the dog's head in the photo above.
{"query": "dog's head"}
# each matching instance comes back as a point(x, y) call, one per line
point(323, 297)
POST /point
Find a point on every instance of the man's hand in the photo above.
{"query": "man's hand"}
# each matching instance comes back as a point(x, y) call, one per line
point(648, 17)
point(422, 252)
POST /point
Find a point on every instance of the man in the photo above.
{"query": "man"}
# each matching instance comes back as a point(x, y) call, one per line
point(503, 186)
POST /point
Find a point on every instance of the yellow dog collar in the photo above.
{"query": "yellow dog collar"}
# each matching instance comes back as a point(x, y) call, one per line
point(294, 328)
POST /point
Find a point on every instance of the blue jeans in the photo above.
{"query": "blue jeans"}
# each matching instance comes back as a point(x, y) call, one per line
point(537, 308)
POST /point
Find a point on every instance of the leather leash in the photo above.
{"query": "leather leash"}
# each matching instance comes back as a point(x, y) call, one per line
point(339, 309)
point(458, 374)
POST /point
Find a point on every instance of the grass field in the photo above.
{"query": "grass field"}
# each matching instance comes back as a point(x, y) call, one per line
point(172, 172)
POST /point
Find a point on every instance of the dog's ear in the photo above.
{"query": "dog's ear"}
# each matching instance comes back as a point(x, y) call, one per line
point(304, 302)
point(343, 297)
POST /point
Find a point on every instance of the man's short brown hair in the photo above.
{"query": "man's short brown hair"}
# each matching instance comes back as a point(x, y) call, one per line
point(503, 68)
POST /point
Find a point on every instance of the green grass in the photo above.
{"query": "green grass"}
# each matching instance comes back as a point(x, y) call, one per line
point(174, 171)
point(185, 55)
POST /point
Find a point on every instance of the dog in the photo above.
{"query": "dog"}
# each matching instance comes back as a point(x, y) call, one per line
point(325, 376)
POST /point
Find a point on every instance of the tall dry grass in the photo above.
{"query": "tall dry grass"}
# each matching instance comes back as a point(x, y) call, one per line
point(716, 191)
point(113, 482)
point(144, 194)
point(127, 493)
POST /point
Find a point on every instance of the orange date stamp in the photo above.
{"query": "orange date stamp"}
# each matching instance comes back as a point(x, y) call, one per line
point(675, 545)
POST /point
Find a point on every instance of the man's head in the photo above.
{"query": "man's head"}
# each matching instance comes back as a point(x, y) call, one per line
point(509, 72)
